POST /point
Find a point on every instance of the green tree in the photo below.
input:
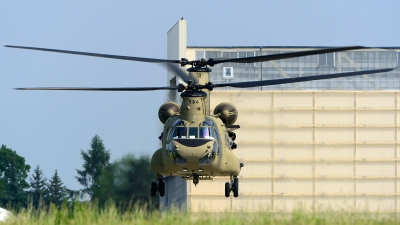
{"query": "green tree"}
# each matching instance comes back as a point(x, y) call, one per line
point(128, 180)
point(38, 192)
point(96, 160)
point(13, 172)
point(57, 192)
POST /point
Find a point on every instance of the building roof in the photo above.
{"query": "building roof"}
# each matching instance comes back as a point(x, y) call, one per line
point(227, 47)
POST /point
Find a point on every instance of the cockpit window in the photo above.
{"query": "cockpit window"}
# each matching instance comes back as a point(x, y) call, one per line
point(178, 123)
point(193, 132)
point(206, 130)
point(207, 123)
point(180, 132)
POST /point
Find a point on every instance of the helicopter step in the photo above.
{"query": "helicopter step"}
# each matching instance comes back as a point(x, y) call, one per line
point(158, 186)
point(232, 186)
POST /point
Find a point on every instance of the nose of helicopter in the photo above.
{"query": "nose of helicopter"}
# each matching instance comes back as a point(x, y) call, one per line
point(193, 149)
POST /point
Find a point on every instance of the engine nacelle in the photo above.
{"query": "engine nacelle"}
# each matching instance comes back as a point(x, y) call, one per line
point(168, 110)
point(226, 112)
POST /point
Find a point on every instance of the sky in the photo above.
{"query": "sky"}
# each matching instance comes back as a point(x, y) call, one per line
point(50, 128)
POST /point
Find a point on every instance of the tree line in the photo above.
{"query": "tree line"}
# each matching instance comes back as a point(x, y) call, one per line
point(124, 181)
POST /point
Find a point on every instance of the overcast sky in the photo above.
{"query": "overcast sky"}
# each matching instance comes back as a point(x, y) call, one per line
point(50, 128)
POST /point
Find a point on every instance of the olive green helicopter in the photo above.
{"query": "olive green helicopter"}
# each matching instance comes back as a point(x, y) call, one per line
point(196, 144)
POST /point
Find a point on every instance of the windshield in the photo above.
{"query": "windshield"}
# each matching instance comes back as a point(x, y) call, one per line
point(193, 132)
point(180, 132)
point(206, 130)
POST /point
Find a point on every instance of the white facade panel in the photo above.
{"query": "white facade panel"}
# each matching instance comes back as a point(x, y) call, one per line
point(334, 117)
point(317, 155)
point(335, 100)
point(374, 118)
point(335, 152)
point(376, 152)
point(334, 187)
point(293, 169)
point(371, 99)
point(293, 152)
point(257, 152)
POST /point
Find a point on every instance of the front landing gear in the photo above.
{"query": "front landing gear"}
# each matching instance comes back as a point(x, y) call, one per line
point(195, 179)
point(158, 186)
point(232, 186)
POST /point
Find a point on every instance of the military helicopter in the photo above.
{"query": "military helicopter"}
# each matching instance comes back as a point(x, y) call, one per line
point(196, 144)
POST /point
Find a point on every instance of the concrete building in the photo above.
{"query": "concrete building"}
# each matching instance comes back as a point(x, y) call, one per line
point(322, 144)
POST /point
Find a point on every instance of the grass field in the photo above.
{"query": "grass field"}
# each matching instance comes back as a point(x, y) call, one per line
point(87, 214)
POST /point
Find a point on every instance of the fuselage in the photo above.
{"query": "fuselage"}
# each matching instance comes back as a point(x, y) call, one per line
point(195, 143)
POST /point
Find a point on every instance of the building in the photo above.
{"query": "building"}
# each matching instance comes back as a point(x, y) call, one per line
point(320, 144)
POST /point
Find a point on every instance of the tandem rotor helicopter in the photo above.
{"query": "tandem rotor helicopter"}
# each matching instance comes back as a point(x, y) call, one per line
point(196, 144)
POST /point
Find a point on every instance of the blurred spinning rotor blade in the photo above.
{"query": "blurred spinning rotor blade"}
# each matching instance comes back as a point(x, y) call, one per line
point(264, 58)
point(185, 77)
point(100, 89)
point(299, 79)
point(131, 58)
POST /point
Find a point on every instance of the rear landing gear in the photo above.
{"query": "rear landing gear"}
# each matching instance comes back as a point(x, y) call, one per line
point(161, 187)
point(235, 187)
point(227, 189)
point(153, 189)
point(158, 186)
point(232, 186)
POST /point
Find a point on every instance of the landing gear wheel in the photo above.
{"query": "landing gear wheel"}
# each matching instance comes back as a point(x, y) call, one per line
point(161, 187)
point(227, 189)
point(195, 179)
point(235, 187)
point(153, 188)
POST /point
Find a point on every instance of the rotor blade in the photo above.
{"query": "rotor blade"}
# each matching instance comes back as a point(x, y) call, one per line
point(131, 58)
point(299, 79)
point(282, 56)
point(185, 77)
point(99, 89)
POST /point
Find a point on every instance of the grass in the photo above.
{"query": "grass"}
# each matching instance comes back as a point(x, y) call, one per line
point(87, 213)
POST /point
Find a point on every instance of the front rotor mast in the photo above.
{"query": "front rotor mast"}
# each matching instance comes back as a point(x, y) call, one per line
point(196, 63)
point(193, 87)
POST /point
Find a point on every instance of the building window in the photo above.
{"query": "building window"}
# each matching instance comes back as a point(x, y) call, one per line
point(327, 59)
point(398, 58)
point(229, 55)
point(200, 55)
point(212, 54)
point(246, 54)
